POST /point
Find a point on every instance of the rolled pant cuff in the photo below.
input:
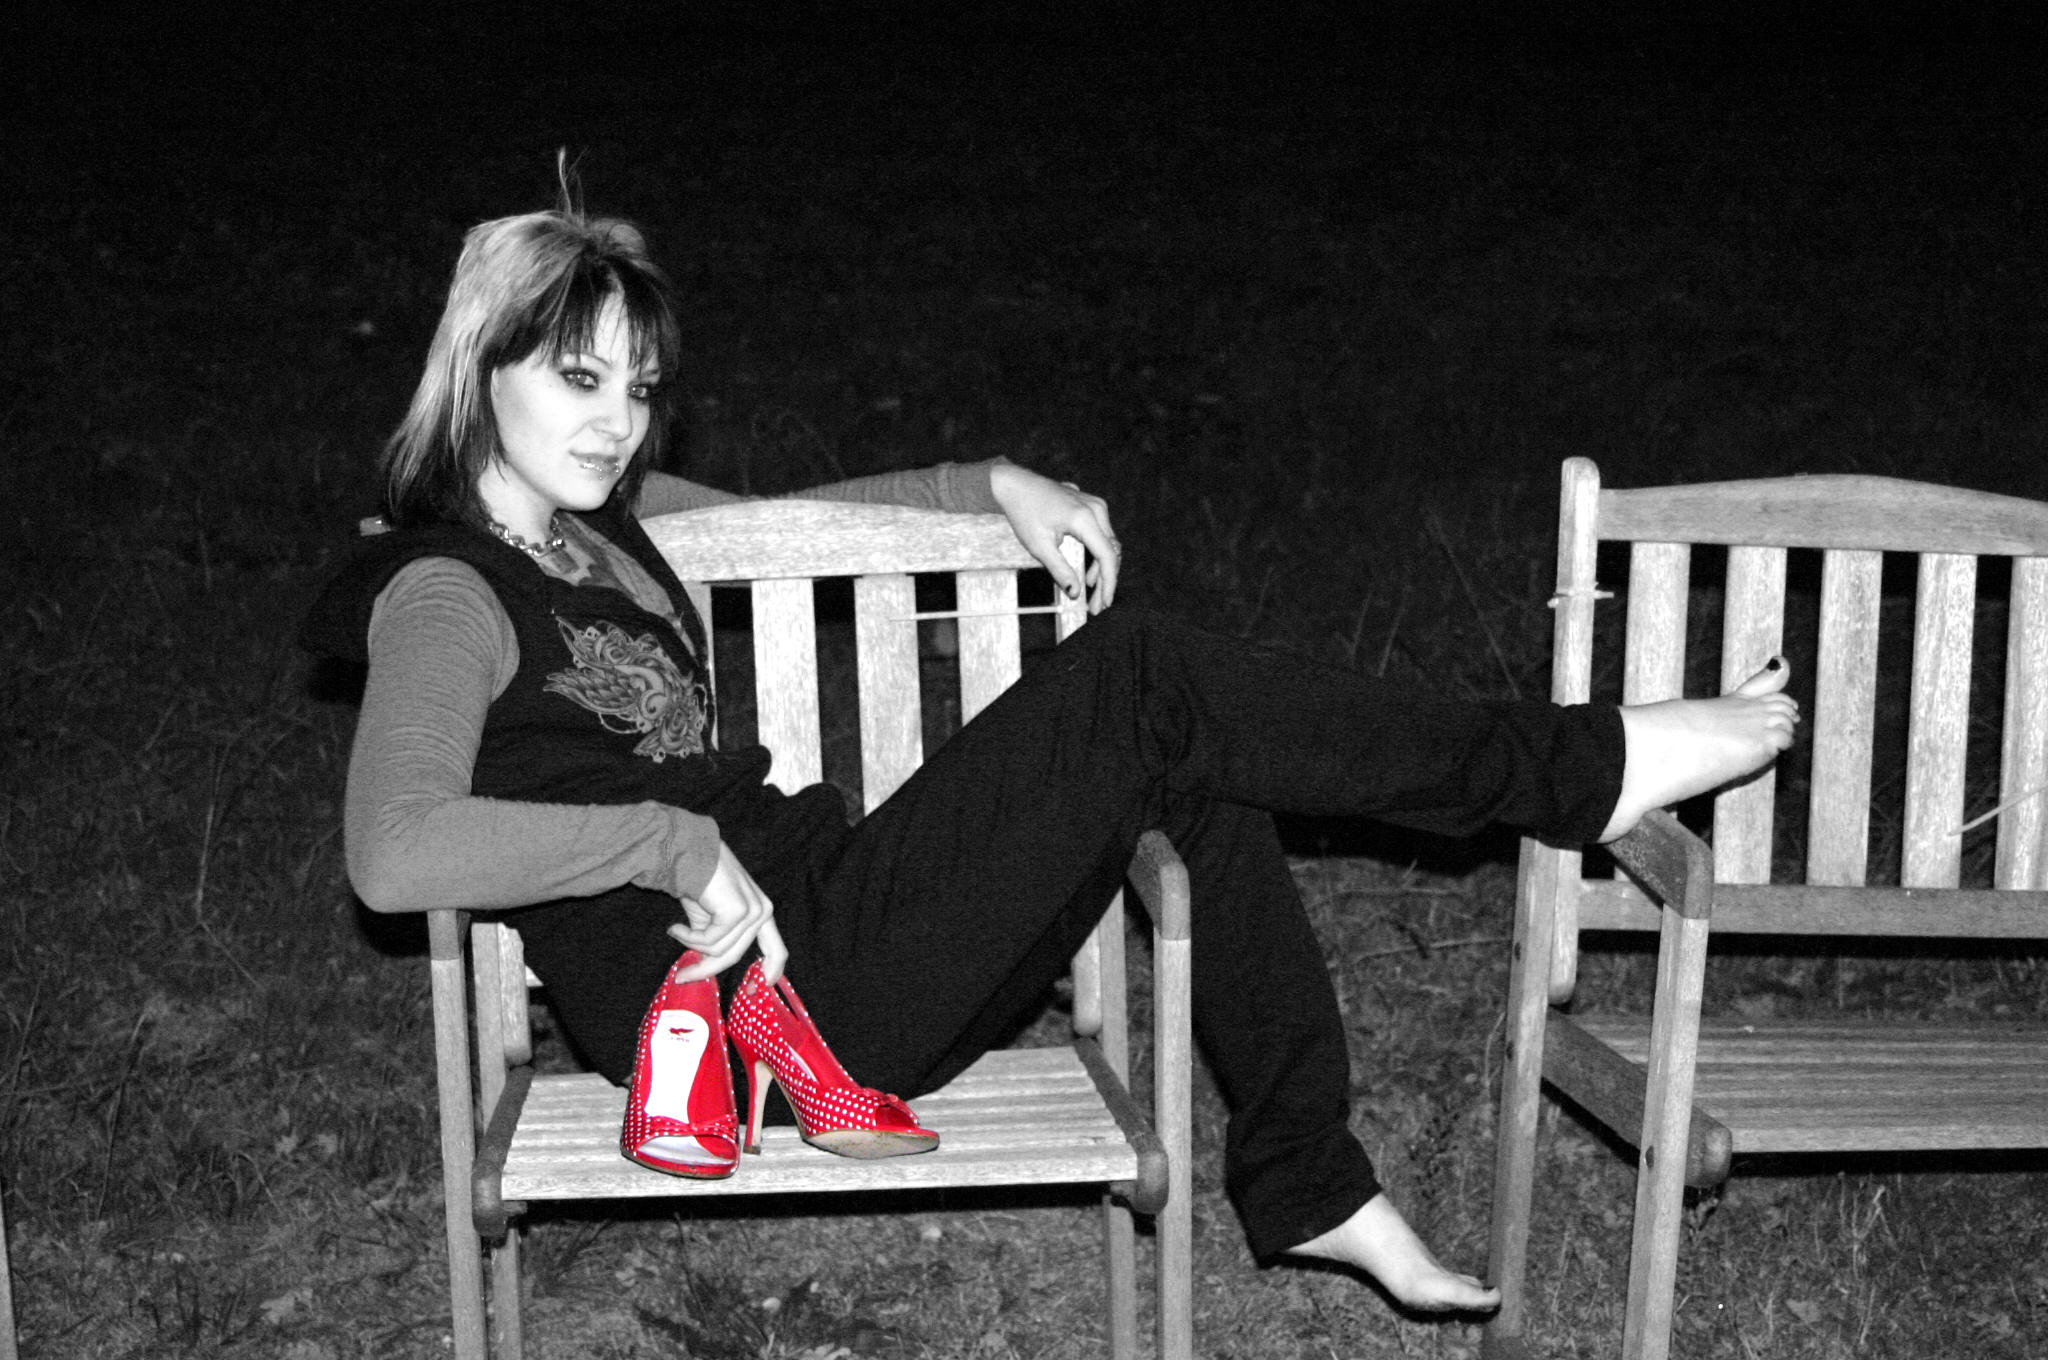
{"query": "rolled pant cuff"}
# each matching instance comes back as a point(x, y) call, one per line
point(1273, 1223)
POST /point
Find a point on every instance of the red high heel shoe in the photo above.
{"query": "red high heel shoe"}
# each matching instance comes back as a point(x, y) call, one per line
point(679, 1114)
point(779, 1043)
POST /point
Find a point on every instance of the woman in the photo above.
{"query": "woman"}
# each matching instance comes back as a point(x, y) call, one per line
point(534, 741)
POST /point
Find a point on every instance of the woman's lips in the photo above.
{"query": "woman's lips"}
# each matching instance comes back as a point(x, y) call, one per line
point(598, 464)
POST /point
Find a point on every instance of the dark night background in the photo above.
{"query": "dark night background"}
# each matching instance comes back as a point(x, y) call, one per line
point(1317, 294)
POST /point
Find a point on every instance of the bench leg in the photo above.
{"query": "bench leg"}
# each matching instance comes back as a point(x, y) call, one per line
point(7, 1351)
point(1521, 1099)
point(1120, 1251)
point(507, 1338)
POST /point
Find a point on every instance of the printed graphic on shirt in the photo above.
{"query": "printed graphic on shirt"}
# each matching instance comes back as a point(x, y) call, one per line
point(632, 686)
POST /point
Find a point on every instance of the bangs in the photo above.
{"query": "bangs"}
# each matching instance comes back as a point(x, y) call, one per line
point(565, 317)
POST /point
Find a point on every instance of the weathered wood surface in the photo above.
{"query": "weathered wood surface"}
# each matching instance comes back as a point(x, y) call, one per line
point(1828, 512)
point(786, 682)
point(1844, 718)
point(891, 710)
point(1017, 1116)
point(2023, 769)
point(1938, 732)
point(7, 1345)
point(1798, 1086)
point(1752, 632)
point(765, 540)
point(1611, 1089)
point(1791, 909)
point(1654, 667)
point(458, 1129)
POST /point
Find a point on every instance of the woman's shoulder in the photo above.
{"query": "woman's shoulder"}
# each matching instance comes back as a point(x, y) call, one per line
point(446, 558)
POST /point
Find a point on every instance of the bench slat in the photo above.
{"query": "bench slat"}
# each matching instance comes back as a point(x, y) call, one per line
point(1820, 1086)
point(1844, 717)
point(567, 1144)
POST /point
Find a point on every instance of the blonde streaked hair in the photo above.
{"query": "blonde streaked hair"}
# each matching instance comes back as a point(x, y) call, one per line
point(533, 283)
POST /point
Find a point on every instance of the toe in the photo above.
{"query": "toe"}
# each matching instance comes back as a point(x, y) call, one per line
point(1769, 680)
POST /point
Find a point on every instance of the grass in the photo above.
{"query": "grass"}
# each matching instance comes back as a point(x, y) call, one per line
point(1321, 327)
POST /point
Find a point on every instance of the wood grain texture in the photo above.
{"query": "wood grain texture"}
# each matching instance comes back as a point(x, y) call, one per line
point(7, 1343)
point(1575, 603)
point(891, 716)
point(991, 653)
point(1611, 1088)
point(1654, 667)
point(1752, 632)
point(1844, 718)
point(768, 540)
point(786, 682)
point(1173, 1112)
point(1938, 729)
point(1797, 909)
point(1667, 1111)
point(1016, 1117)
point(1876, 513)
point(1788, 1086)
point(2023, 766)
point(458, 1130)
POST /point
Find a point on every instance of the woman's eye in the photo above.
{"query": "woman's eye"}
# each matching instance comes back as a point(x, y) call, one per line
point(580, 377)
point(642, 391)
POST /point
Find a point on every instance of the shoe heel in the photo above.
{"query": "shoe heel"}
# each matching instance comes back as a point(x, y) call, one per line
point(778, 1042)
point(759, 1078)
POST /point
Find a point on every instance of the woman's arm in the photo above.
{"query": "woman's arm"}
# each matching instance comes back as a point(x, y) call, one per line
point(441, 648)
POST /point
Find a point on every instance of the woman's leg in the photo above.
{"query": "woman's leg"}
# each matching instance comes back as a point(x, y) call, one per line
point(956, 902)
point(995, 856)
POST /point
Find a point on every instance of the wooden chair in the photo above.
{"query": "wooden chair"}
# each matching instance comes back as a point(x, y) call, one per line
point(1691, 1092)
point(7, 1351)
point(1018, 1117)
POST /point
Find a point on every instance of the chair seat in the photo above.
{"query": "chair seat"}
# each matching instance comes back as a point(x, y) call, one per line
point(1816, 1086)
point(1031, 1116)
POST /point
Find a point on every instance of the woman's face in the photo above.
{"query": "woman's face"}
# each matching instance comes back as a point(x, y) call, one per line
point(569, 424)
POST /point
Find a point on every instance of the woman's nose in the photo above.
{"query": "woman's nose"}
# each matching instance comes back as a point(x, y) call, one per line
point(615, 416)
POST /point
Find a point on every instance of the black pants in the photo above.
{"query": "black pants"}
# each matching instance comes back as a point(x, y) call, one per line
point(925, 934)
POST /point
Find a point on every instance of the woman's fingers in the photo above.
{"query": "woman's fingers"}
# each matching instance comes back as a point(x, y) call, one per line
point(1043, 512)
point(730, 914)
point(774, 953)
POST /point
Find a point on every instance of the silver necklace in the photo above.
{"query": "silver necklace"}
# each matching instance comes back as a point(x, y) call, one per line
point(555, 541)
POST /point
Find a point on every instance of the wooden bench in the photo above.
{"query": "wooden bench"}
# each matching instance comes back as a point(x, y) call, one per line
point(1052, 1116)
point(1692, 1094)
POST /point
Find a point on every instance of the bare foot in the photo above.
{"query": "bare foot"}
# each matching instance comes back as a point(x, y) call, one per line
point(1686, 746)
point(1378, 1241)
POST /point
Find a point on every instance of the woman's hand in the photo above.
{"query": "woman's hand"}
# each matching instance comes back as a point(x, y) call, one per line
point(1042, 512)
point(731, 913)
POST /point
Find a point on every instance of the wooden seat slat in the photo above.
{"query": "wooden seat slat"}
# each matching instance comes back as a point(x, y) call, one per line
point(1825, 1039)
point(567, 1143)
point(1811, 1087)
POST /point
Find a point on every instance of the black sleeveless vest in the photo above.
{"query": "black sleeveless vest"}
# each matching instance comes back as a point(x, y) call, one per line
point(608, 705)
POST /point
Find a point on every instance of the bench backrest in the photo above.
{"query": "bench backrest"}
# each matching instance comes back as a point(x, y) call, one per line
point(1845, 526)
point(781, 550)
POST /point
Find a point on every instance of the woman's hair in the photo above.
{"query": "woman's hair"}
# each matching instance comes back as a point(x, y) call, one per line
point(538, 282)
